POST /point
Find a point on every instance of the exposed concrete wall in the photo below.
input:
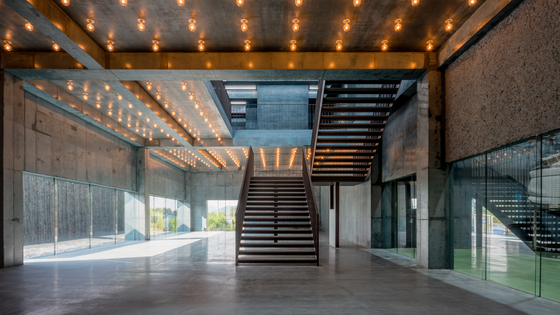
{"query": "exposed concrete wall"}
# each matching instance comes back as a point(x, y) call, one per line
point(355, 214)
point(166, 180)
point(399, 142)
point(59, 144)
point(505, 88)
point(323, 204)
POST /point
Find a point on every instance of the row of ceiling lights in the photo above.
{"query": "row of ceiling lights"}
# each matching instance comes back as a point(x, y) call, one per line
point(183, 154)
point(233, 158)
point(218, 158)
point(244, 27)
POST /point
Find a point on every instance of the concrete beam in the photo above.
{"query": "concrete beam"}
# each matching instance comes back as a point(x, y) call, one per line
point(272, 138)
point(52, 21)
point(209, 157)
point(490, 13)
point(170, 159)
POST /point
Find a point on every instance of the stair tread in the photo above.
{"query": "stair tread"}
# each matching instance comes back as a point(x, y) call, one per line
point(277, 259)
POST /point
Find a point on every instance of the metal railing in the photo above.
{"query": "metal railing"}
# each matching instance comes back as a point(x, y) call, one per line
point(311, 205)
point(242, 202)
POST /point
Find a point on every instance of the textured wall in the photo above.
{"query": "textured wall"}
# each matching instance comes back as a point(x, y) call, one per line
point(399, 142)
point(60, 144)
point(506, 87)
point(166, 180)
point(355, 214)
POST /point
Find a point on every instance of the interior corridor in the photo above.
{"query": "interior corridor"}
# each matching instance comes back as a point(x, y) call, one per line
point(194, 273)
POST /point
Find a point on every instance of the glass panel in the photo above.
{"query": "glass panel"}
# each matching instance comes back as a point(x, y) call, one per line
point(157, 208)
point(221, 215)
point(38, 216)
point(548, 199)
point(183, 217)
point(231, 210)
point(73, 217)
point(135, 218)
point(406, 216)
point(510, 219)
point(389, 217)
point(120, 216)
point(468, 203)
point(170, 216)
point(103, 215)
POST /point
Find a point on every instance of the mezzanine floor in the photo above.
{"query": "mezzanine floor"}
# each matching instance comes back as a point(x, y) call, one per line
point(195, 274)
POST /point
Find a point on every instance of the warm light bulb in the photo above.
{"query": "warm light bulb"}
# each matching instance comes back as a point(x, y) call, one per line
point(299, 3)
point(119, 97)
point(201, 113)
point(240, 2)
point(90, 26)
point(28, 26)
point(293, 46)
point(205, 119)
point(119, 119)
point(415, 2)
point(149, 86)
point(7, 45)
point(181, 2)
point(173, 113)
point(128, 125)
point(129, 105)
point(166, 105)
point(55, 47)
point(85, 96)
point(123, 2)
point(430, 45)
point(338, 45)
point(184, 86)
point(201, 45)
point(247, 46)
point(398, 25)
point(196, 105)
point(110, 113)
point(346, 26)
point(357, 3)
point(107, 87)
point(65, 2)
point(295, 27)
point(191, 96)
point(155, 46)
point(110, 46)
point(98, 105)
point(448, 25)
point(384, 47)
point(244, 25)
point(472, 2)
point(192, 27)
point(139, 113)
point(70, 86)
point(158, 96)
point(141, 25)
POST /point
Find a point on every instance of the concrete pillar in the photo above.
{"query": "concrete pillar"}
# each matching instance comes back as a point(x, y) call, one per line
point(142, 179)
point(376, 203)
point(11, 211)
point(432, 239)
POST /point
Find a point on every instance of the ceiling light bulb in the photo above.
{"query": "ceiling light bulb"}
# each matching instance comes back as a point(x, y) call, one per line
point(123, 2)
point(155, 46)
point(166, 105)
point(181, 2)
point(149, 86)
point(295, 27)
point(357, 3)
point(55, 47)
point(128, 125)
point(137, 130)
point(98, 105)
point(430, 45)
point(65, 2)
point(201, 45)
point(173, 113)
point(90, 26)
point(185, 125)
point(129, 105)
point(141, 25)
point(107, 87)
point(239, 2)
point(472, 3)
point(28, 26)
point(384, 45)
point(155, 125)
point(346, 26)
point(139, 113)
point(110, 113)
point(244, 25)
point(191, 96)
point(205, 119)
point(293, 46)
point(110, 46)
point(148, 119)
point(158, 96)
point(85, 96)
point(201, 113)
point(143, 135)
point(448, 25)
point(299, 3)
point(209, 125)
point(196, 105)
point(150, 138)
point(415, 2)
point(338, 45)
point(184, 86)
point(119, 97)
point(192, 27)
point(398, 25)
point(7, 45)
point(119, 119)
point(70, 86)
point(247, 46)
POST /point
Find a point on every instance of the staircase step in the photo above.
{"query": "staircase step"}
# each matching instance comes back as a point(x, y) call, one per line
point(277, 245)
point(279, 194)
point(277, 252)
point(272, 225)
point(272, 204)
point(276, 260)
point(280, 199)
point(276, 208)
point(356, 109)
point(277, 237)
point(276, 190)
point(278, 214)
point(357, 100)
point(278, 178)
point(355, 117)
point(276, 231)
point(278, 219)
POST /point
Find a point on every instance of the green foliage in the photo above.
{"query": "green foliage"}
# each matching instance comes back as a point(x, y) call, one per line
point(216, 221)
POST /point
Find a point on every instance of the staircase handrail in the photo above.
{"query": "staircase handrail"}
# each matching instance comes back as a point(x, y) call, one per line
point(317, 120)
point(242, 201)
point(311, 203)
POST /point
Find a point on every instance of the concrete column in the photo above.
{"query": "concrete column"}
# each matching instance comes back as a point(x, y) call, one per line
point(432, 239)
point(142, 179)
point(11, 211)
point(376, 203)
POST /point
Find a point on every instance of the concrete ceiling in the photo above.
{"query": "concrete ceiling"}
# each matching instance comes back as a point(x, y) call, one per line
point(269, 26)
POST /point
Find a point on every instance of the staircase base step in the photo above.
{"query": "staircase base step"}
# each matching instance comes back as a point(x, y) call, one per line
point(278, 260)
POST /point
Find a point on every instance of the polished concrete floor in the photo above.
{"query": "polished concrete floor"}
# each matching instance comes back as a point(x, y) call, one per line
point(195, 274)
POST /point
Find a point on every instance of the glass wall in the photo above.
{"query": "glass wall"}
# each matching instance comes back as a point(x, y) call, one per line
point(62, 215)
point(221, 215)
point(168, 217)
point(399, 216)
point(506, 216)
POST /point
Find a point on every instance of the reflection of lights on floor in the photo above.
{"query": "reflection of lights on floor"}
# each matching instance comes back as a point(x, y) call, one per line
point(132, 249)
